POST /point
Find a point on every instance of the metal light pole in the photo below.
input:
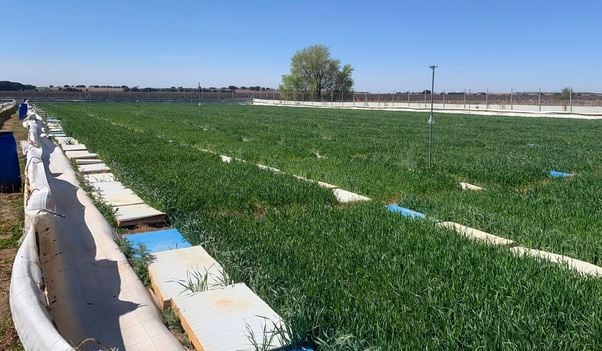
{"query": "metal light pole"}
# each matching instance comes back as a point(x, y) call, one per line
point(431, 120)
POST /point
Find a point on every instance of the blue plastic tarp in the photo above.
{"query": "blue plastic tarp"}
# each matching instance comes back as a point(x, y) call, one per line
point(557, 174)
point(406, 212)
point(161, 240)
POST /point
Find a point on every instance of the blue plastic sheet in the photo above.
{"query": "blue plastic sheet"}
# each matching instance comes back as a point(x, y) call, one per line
point(405, 212)
point(557, 174)
point(161, 240)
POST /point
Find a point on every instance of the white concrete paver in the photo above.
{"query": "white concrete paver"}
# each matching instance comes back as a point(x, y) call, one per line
point(223, 319)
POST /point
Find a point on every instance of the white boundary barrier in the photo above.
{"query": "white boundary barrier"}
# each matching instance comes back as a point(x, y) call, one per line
point(7, 105)
point(579, 112)
point(28, 302)
point(57, 304)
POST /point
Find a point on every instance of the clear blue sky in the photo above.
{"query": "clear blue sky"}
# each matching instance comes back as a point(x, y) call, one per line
point(498, 45)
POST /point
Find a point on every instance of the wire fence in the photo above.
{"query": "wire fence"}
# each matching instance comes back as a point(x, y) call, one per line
point(504, 100)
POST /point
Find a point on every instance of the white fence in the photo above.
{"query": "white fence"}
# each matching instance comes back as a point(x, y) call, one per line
point(586, 112)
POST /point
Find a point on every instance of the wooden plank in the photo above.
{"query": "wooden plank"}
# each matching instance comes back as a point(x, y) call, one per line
point(75, 155)
point(127, 216)
point(95, 168)
point(87, 161)
point(119, 197)
point(73, 147)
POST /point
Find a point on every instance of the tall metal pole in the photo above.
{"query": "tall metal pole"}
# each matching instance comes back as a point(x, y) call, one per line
point(571, 99)
point(431, 120)
point(469, 93)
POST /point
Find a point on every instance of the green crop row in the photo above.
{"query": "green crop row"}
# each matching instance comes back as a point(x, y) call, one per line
point(382, 155)
point(357, 276)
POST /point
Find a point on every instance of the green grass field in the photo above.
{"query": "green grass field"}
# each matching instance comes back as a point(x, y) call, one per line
point(359, 271)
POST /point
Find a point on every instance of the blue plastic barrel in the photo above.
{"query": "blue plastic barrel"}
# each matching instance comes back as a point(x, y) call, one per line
point(10, 174)
point(22, 111)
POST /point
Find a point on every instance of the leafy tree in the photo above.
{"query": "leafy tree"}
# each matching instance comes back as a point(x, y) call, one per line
point(565, 94)
point(313, 71)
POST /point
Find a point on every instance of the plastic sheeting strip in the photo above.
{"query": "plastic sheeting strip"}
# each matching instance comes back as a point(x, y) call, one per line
point(406, 212)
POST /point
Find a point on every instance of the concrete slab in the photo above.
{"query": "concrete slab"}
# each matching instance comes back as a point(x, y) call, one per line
point(87, 161)
point(119, 197)
point(582, 267)
point(344, 196)
point(468, 186)
point(172, 266)
point(137, 214)
point(226, 159)
point(224, 319)
point(56, 135)
point(476, 234)
point(99, 178)
point(160, 240)
point(66, 140)
point(107, 186)
point(95, 168)
point(268, 168)
point(74, 147)
point(326, 185)
point(74, 155)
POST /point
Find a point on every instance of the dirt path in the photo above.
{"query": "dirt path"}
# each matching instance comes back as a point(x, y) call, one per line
point(11, 228)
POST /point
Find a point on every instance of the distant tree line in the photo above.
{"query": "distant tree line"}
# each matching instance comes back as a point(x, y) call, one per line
point(229, 89)
point(6, 85)
point(135, 89)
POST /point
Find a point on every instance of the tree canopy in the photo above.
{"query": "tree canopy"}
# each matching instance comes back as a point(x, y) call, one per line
point(314, 74)
point(14, 86)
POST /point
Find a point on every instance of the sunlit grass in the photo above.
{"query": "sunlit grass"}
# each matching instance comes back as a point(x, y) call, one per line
point(355, 277)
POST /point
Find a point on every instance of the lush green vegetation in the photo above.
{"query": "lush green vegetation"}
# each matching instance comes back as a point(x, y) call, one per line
point(383, 155)
point(359, 276)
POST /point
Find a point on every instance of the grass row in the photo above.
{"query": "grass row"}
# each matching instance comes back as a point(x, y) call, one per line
point(356, 277)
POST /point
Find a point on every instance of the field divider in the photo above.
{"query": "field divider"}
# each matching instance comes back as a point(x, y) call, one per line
point(580, 266)
point(476, 234)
